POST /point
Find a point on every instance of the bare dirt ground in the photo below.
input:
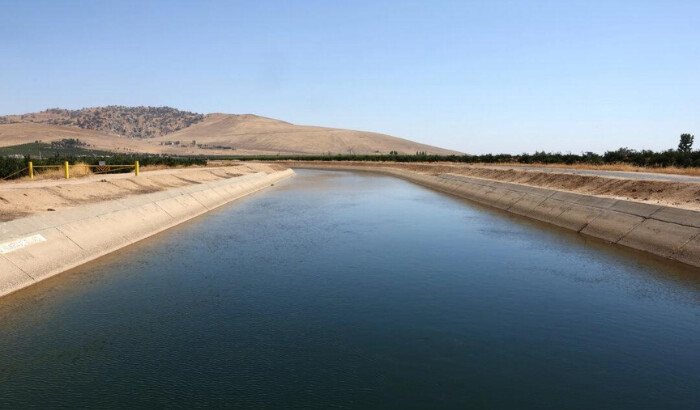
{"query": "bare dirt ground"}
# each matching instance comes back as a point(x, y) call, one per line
point(24, 197)
point(625, 169)
point(680, 194)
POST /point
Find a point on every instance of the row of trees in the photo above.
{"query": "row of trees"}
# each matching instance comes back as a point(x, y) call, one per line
point(620, 156)
point(683, 156)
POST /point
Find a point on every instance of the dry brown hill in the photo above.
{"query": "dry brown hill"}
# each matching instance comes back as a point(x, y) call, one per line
point(135, 122)
point(166, 130)
point(251, 132)
point(23, 133)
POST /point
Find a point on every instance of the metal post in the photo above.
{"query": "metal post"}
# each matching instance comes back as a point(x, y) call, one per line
point(67, 169)
point(31, 170)
point(136, 168)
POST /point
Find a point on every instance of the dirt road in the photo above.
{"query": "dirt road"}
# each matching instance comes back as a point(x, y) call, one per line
point(647, 176)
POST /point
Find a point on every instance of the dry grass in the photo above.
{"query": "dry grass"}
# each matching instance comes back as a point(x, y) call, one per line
point(248, 134)
point(608, 167)
point(77, 170)
point(81, 169)
point(254, 133)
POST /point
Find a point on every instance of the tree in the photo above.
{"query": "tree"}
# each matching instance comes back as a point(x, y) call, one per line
point(686, 144)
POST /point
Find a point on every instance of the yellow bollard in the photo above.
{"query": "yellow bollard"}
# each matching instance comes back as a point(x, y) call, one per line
point(67, 169)
point(136, 168)
point(31, 170)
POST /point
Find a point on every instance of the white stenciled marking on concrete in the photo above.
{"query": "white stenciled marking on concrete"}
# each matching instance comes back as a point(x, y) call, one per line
point(20, 243)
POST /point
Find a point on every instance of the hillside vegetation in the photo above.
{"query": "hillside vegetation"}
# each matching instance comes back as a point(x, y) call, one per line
point(132, 122)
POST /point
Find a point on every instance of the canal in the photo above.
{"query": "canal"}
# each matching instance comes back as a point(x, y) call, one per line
point(339, 289)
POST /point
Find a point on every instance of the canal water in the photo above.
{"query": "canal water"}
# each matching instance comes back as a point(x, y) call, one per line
point(337, 289)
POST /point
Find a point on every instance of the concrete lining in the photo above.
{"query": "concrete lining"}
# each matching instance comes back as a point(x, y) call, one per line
point(612, 226)
point(690, 252)
point(12, 277)
point(658, 237)
point(78, 235)
point(665, 231)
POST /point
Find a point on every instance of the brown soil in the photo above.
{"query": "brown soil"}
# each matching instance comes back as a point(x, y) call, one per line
point(608, 167)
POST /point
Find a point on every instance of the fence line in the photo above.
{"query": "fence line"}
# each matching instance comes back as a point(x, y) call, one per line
point(14, 173)
point(99, 169)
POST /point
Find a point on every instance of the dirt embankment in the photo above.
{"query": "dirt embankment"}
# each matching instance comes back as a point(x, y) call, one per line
point(18, 199)
point(677, 194)
point(690, 171)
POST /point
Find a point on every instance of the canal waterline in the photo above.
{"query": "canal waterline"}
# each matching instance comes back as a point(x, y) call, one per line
point(357, 290)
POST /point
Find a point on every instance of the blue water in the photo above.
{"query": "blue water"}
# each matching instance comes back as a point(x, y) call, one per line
point(355, 290)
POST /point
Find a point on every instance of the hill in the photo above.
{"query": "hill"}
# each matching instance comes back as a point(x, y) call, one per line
point(134, 122)
point(254, 133)
point(29, 132)
point(165, 130)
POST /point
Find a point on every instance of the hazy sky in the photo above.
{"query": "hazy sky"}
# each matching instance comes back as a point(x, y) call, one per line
point(486, 76)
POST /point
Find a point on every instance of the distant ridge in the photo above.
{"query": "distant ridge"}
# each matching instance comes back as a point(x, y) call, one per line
point(134, 122)
point(171, 131)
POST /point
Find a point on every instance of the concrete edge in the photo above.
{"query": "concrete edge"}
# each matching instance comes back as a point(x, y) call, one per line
point(41, 246)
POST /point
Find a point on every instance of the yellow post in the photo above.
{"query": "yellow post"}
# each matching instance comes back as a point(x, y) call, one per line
point(67, 169)
point(31, 170)
point(136, 168)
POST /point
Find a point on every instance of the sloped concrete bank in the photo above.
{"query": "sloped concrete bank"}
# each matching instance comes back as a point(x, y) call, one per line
point(40, 246)
point(665, 231)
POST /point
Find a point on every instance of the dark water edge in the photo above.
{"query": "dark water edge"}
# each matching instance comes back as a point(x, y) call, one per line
point(337, 289)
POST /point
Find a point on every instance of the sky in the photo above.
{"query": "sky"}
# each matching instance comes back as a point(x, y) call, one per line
point(474, 76)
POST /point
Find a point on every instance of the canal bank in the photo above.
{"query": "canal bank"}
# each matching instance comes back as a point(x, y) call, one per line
point(665, 231)
point(40, 246)
point(357, 290)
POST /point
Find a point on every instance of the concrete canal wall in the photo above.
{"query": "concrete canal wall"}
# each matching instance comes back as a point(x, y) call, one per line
point(665, 231)
point(40, 246)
